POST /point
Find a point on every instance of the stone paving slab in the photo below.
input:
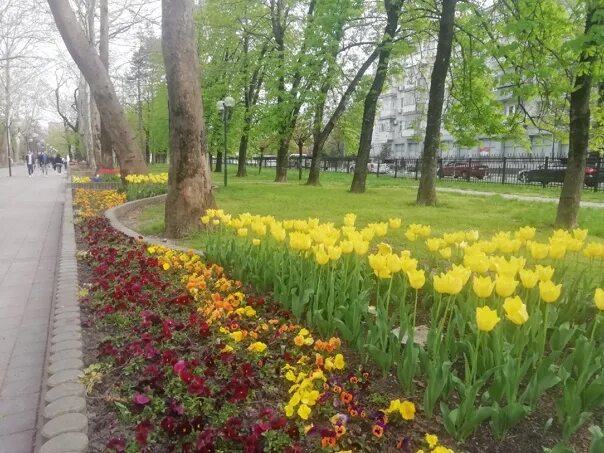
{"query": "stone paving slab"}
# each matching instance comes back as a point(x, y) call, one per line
point(31, 211)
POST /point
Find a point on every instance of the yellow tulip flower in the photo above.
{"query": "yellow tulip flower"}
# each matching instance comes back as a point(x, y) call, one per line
point(384, 249)
point(410, 235)
point(580, 234)
point(477, 262)
point(394, 263)
point(483, 286)
point(539, 251)
point(549, 291)
point(346, 246)
point(445, 253)
point(417, 278)
point(515, 310)
point(394, 223)
point(242, 232)
point(256, 241)
point(447, 284)
point(367, 233)
point(321, 256)
point(557, 250)
point(599, 298)
point(544, 273)
point(486, 319)
point(334, 252)
point(205, 219)
point(528, 278)
point(349, 219)
point(505, 285)
point(361, 247)
point(408, 264)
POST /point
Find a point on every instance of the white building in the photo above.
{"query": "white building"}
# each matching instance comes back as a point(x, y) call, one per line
point(401, 120)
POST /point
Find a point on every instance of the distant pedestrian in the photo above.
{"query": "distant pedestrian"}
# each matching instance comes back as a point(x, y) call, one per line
point(44, 163)
point(30, 163)
point(58, 163)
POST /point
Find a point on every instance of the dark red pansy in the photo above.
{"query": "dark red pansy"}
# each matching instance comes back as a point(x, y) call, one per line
point(168, 424)
point(142, 430)
point(117, 444)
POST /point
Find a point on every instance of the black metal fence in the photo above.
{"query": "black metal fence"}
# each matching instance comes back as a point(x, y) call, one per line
point(501, 170)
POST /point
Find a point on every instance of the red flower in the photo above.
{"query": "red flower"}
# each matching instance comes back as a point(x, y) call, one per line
point(198, 387)
point(117, 443)
point(142, 430)
point(141, 400)
point(168, 424)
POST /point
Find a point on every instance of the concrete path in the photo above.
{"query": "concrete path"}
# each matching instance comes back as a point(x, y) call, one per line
point(30, 225)
point(509, 196)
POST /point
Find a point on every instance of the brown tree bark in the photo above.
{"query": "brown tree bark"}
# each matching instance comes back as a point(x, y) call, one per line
point(189, 182)
point(319, 141)
point(570, 196)
point(393, 12)
point(85, 56)
point(426, 193)
point(106, 150)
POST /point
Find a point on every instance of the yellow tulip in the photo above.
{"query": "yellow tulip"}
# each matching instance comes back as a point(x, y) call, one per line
point(515, 310)
point(445, 253)
point(361, 247)
point(506, 268)
point(410, 235)
point(486, 319)
point(549, 292)
point(447, 284)
point(349, 219)
point(346, 246)
point(477, 262)
point(242, 232)
point(278, 233)
point(256, 241)
point(434, 244)
point(580, 234)
point(528, 278)
point(599, 298)
point(539, 251)
point(384, 249)
point(334, 252)
point(367, 233)
point(205, 219)
point(544, 273)
point(557, 251)
point(505, 285)
point(394, 223)
point(417, 278)
point(483, 286)
point(321, 256)
point(408, 264)
point(472, 235)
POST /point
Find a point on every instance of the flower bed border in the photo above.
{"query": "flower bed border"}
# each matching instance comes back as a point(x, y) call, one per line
point(62, 422)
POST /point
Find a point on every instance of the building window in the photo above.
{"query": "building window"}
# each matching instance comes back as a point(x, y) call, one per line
point(511, 109)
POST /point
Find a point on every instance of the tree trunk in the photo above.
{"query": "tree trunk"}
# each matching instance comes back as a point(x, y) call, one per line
point(426, 193)
point(218, 164)
point(243, 142)
point(189, 182)
point(393, 12)
point(105, 140)
point(84, 121)
point(129, 155)
point(570, 196)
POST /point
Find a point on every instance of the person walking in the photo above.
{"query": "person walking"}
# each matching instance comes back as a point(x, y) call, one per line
point(30, 163)
point(58, 163)
point(44, 163)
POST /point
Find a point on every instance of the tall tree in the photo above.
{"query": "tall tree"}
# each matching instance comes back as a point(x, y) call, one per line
point(129, 155)
point(579, 116)
point(189, 182)
point(105, 140)
point(393, 13)
point(426, 193)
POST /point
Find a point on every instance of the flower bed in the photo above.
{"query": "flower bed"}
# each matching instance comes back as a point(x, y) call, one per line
point(512, 322)
point(191, 360)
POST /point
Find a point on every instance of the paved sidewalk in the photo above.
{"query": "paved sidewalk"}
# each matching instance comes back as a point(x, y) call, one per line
point(509, 196)
point(30, 226)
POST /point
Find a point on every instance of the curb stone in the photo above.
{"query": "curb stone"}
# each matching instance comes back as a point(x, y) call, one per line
point(62, 421)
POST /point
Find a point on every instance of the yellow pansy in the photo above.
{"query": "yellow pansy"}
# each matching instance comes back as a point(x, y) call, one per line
point(258, 346)
point(304, 411)
point(407, 410)
point(431, 440)
point(338, 362)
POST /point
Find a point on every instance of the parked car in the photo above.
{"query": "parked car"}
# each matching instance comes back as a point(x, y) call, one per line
point(374, 167)
point(461, 169)
point(554, 173)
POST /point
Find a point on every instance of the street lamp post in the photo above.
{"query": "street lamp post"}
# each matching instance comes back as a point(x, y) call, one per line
point(225, 107)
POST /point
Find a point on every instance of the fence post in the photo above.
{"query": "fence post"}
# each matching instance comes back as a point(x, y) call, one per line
point(503, 170)
point(395, 167)
point(378, 169)
point(546, 162)
point(598, 172)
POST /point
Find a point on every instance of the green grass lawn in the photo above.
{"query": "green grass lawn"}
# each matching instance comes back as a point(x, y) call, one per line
point(385, 197)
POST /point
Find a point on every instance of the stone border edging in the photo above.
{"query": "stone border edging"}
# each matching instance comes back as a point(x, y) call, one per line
point(113, 215)
point(62, 416)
